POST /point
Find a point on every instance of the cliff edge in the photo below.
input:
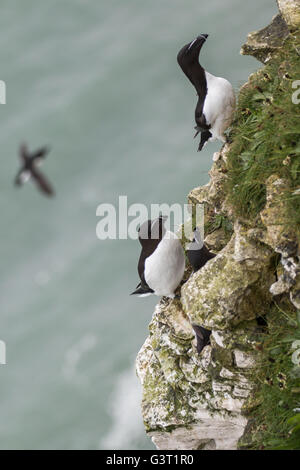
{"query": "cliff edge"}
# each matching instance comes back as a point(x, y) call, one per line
point(249, 294)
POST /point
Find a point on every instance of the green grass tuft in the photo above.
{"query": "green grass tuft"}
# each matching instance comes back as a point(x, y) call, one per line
point(265, 135)
point(274, 423)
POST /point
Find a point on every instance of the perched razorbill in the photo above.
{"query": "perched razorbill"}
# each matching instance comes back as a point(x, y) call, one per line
point(216, 98)
point(162, 261)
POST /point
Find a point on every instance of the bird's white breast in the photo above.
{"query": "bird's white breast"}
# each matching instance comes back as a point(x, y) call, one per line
point(219, 104)
point(25, 176)
point(164, 269)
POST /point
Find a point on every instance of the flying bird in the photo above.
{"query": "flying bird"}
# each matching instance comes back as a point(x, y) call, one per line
point(216, 98)
point(29, 169)
point(162, 262)
point(197, 253)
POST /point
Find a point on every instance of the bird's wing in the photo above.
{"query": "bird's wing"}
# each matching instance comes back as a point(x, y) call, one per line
point(41, 153)
point(42, 182)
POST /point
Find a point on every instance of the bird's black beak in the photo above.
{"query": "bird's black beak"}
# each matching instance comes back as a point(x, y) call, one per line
point(199, 41)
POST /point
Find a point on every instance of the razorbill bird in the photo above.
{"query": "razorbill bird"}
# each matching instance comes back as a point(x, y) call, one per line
point(162, 262)
point(30, 162)
point(202, 337)
point(216, 98)
point(197, 253)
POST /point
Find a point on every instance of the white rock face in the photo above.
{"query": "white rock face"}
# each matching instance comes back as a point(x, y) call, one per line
point(279, 287)
point(205, 357)
point(225, 401)
point(243, 360)
point(218, 337)
point(226, 374)
point(217, 432)
point(220, 387)
point(241, 392)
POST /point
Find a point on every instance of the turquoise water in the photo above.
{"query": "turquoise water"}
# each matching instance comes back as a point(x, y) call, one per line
point(99, 82)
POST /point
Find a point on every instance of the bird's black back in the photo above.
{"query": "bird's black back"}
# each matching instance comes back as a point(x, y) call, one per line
point(198, 258)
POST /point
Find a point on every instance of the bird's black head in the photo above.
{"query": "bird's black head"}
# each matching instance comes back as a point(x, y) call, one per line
point(190, 52)
point(152, 230)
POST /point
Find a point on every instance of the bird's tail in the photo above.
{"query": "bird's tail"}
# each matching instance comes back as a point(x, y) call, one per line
point(205, 136)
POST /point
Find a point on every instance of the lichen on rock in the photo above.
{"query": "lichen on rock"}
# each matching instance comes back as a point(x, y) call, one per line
point(225, 291)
